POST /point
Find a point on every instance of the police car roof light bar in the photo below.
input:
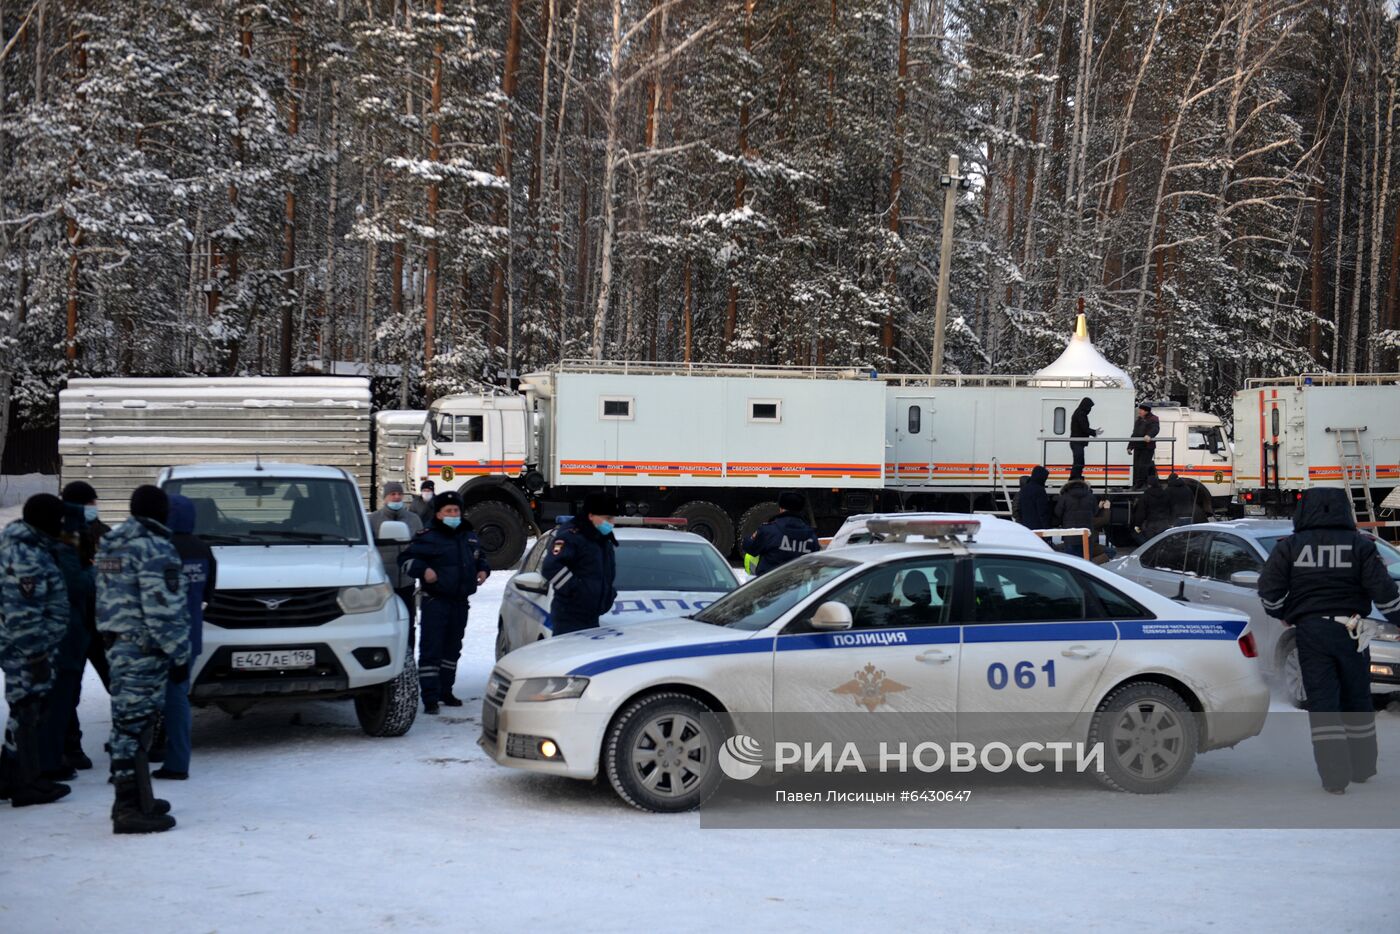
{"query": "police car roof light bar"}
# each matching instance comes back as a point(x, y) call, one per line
point(674, 522)
point(898, 530)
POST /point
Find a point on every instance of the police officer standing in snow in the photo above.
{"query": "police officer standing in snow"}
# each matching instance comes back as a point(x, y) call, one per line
point(783, 538)
point(582, 566)
point(34, 616)
point(449, 560)
point(1144, 446)
point(1322, 580)
point(143, 616)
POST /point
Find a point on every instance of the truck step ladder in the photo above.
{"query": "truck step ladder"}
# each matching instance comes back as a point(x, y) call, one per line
point(999, 478)
point(1356, 472)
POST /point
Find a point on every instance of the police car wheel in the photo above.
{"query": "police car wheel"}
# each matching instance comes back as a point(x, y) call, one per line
point(1149, 738)
point(660, 753)
point(389, 709)
point(1291, 673)
point(502, 639)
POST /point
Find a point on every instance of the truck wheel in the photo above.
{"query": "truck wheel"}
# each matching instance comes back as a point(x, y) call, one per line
point(661, 753)
point(709, 522)
point(753, 517)
point(1149, 738)
point(1290, 673)
point(501, 530)
point(389, 709)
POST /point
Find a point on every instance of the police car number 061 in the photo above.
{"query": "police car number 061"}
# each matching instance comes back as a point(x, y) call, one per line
point(280, 659)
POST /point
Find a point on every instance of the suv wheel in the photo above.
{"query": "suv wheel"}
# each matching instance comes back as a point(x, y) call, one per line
point(389, 709)
point(660, 753)
point(1149, 738)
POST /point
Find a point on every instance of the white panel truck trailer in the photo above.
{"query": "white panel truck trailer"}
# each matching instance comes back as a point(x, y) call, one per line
point(1317, 429)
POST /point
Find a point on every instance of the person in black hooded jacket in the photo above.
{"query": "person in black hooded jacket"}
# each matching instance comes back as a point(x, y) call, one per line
point(1079, 428)
point(1153, 512)
point(1321, 580)
point(448, 560)
point(1032, 505)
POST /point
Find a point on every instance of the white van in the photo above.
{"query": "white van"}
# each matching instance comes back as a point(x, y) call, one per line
point(303, 607)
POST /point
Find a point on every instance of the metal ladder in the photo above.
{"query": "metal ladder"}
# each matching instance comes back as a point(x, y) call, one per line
point(999, 478)
point(1356, 472)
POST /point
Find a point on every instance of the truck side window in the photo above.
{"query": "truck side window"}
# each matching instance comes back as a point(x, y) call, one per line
point(1203, 438)
point(615, 407)
point(469, 428)
point(765, 410)
point(442, 429)
point(916, 419)
point(1059, 420)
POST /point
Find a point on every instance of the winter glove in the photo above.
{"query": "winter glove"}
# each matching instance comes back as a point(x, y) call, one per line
point(40, 671)
point(180, 673)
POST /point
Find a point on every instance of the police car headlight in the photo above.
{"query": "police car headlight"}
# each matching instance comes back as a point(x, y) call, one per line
point(544, 689)
point(364, 599)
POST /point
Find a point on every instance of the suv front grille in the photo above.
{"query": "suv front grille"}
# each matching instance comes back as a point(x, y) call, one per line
point(273, 609)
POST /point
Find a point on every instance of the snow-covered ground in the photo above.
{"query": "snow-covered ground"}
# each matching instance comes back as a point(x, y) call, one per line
point(295, 821)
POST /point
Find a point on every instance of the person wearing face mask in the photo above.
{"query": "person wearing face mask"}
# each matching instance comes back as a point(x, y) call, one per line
point(80, 494)
point(422, 507)
point(448, 560)
point(581, 567)
point(395, 508)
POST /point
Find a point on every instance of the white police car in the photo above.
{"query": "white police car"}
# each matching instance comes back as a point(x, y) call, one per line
point(947, 627)
point(662, 572)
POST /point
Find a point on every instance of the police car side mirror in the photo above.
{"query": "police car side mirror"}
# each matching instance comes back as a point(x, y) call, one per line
point(392, 533)
point(530, 582)
point(1248, 579)
point(832, 616)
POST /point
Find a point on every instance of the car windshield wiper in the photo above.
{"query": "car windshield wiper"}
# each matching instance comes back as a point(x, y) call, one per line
point(219, 538)
point(304, 536)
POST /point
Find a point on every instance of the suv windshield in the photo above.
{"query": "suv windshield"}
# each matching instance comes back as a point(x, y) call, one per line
point(273, 510)
point(653, 565)
point(761, 601)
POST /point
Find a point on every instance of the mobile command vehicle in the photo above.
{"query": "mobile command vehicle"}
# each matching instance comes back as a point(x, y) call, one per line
point(715, 445)
point(303, 607)
point(663, 572)
point(933, 630)
point(1319, 429)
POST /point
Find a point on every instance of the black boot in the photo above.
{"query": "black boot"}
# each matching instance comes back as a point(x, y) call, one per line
point(128, 816)
point(149, 802)
point(27, 785)
point(450, 699)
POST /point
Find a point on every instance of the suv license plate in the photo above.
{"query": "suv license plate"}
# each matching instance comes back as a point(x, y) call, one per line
point(284, 658)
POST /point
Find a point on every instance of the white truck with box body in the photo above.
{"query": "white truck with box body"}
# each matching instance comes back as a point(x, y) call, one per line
point(1318, 429)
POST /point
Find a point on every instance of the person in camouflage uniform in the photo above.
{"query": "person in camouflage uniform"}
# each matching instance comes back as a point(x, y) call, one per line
point(144, 622)
point(33, 619)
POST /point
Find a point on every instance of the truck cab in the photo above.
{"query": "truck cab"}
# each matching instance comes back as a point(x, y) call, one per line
point(303, 607)
point(1200, 449)
point(480, 445)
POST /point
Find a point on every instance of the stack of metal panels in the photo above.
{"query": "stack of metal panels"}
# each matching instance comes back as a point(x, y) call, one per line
point(118, 433)
point(395, 431)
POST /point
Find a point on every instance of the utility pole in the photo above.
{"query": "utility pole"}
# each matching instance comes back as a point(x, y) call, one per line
point(951, 184)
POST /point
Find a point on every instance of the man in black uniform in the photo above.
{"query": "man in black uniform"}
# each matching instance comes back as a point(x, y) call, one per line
point(1079, 428)
point(581, 567)
point(783, 538)
point(1145, 428)
point(1322, 581)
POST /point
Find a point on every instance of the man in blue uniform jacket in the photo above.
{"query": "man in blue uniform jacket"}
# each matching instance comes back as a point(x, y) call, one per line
point(581, 567)
point(448, 560)
point(785, 537)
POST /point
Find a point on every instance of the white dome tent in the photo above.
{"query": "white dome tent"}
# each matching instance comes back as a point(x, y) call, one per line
point(1081, 360)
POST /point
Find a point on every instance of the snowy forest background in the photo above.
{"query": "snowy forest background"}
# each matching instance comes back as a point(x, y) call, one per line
point(463, 187)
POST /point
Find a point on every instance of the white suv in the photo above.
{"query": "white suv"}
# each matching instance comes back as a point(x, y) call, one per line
point(303, 607)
